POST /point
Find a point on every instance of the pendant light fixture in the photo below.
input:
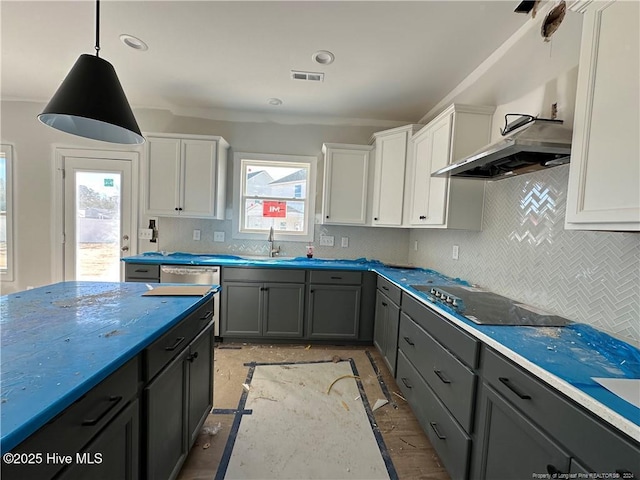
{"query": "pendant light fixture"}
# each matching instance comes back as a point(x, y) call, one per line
point(90, 101)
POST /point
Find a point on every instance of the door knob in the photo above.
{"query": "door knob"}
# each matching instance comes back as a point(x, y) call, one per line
point(125, 248)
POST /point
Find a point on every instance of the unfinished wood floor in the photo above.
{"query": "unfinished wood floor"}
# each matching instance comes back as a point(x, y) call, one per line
point(412, 454)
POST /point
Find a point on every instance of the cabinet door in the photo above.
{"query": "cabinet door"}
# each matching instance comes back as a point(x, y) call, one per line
point(346, 174)
point(380, 326)
point(165, 407)
point(604, 192)
point(388, 194)
point(283, 310)
point(510, 446)
point(242, 309)
point(440, 156)
point(162, 176)
point(198, 194)
point(334, 311)
point(113, 453)
point(391, 334)
point(200, 361)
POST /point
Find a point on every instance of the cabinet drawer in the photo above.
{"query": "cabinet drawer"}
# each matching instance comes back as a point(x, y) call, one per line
point(566, 421)
point(450, 441)
point(463, 345)
point(70, 431)
point(335, 277)
point(449, 378)
point(389, 289)
point(139, 271)
point(262, 275)
point(175, 340)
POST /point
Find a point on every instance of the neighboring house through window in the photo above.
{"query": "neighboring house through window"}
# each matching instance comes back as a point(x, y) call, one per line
point(6, 213)
point(274, 191)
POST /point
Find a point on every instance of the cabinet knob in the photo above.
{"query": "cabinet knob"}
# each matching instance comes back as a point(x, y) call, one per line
point(375, 218)
point(176, 209)
point(423, 217)
point(327, 216)
point(192, 357)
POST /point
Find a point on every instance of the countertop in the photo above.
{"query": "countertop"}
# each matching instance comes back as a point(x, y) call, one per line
point(564, 357)
point(61, 340)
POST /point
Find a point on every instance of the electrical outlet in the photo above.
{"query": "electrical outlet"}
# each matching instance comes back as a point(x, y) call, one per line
point(345, 242)
point(218, 236)
point(196, 234)
point(455, 252)
point(326, 240)
point(145, 234)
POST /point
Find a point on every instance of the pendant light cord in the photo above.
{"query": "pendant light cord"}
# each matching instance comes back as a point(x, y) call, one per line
point(97, 28)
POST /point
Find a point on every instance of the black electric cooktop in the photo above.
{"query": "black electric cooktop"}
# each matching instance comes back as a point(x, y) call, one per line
point(487, 308)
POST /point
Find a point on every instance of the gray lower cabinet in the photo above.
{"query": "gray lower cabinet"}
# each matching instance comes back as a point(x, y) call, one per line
point(513, 447)
point(108, 411)
point(525, 427)
point(333, 311)
point(263, 309)
point(387, 323)
point(176, 403)
point(262, 303)
point(113, 453)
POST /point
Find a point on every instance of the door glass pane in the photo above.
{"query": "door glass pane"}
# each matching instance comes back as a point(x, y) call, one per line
point(97, 242)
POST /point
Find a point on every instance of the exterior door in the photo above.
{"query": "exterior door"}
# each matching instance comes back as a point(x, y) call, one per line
point(97, 219)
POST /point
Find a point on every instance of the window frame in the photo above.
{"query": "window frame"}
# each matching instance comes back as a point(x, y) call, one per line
point(8, 274)
point(239, 160)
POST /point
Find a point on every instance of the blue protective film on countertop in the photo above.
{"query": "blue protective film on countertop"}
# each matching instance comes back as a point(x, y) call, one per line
point(59, 341)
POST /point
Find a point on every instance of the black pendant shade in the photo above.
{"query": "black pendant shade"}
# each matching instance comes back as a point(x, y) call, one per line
point(91, 103)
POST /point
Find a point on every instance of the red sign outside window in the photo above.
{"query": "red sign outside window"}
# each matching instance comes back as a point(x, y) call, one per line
point(274, 209)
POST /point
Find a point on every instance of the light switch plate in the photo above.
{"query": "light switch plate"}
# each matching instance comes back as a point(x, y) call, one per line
point(326, 240)
point(218, 236)
point(145, 234)
point(455, 252)
point(345, 242)
point(196, 234)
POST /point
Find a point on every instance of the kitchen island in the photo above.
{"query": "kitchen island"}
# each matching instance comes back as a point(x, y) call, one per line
point(63, 342)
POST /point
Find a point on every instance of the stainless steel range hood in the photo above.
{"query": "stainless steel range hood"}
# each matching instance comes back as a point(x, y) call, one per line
point(528, 144)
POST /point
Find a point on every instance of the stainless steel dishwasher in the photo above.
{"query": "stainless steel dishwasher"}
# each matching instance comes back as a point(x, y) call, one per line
point(200, 275)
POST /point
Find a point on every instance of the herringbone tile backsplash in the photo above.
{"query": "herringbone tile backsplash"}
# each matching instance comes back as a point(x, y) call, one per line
point(525, 253)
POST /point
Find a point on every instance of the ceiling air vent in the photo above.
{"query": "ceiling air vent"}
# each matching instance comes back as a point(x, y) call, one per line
point(309, 76)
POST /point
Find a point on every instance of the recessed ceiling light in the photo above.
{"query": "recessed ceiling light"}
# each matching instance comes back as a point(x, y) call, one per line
point(274, 101)
point(323, 57)
point(133, 42)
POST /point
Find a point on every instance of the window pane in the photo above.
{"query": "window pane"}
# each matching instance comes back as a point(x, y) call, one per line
point(262, 214)
point(274, 181)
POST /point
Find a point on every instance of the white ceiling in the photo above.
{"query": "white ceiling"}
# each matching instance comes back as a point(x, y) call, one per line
point(394, 60)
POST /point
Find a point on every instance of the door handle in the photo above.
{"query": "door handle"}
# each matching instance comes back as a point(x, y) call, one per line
point(441, 376)
point(406, 383)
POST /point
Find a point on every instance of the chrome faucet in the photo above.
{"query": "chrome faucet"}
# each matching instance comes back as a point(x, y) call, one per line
point(272, 251)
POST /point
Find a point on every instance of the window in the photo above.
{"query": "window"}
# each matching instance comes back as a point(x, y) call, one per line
point(6, 213)
point(275, 191)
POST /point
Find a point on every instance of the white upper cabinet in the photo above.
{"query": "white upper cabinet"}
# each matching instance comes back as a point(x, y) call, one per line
point(392, 150)
point(346, 177)
point(435, 202)
point(185, 175)
point(604, 173)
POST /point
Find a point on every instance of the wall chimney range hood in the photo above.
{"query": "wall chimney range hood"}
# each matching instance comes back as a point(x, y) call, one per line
point(528, 144)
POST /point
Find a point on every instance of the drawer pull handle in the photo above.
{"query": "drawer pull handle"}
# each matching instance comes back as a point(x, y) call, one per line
point(434, 426)
point(179, 340)
point(336, 278)
point(140, 270)
point(408, 340)
point(506, 383)
point(206, 315)
point(385, 288)
point(94, 419)
point(441, 376)
point(406, 383)
point(192, 357)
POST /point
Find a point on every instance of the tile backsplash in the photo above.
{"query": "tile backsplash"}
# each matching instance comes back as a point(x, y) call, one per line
point(385, 244)
point(525, 253)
